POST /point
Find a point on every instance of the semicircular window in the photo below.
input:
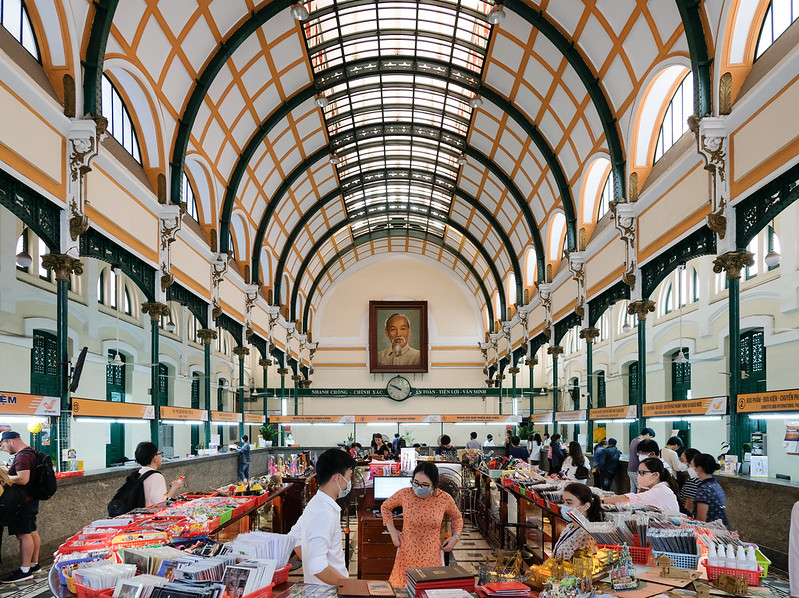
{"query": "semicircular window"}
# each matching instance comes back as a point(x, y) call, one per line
point(396, 90)
point(120, 125)
point(14, 18)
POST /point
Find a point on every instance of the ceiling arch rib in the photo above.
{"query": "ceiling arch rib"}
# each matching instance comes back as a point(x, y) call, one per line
point(316, 252)
point(700, 61)
point(504, 240)
point(95, 54)
point(357, 188)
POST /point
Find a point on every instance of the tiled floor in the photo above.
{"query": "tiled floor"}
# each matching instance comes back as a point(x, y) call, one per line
point(34, 588)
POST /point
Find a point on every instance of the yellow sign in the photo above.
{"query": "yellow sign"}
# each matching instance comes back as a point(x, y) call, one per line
point(490, 419)
point(541, 418)
point(402, 419)
point(253, 418)
point(312, 419)
point(17, 403)
point(184, 414)
point(92, 408)
point(711, 406)
point(617, 412)
point(224, 416)
point(570, 416)
point(764, 402)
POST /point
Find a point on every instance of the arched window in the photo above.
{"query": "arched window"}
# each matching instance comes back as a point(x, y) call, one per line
point(754, 248)
point(188, 197)
point(231, 246)
point(675, 121)
point(779, 16)
point(113, 289)
point(44, 274)
point(119, 123)
point(557, 236)
point(530, 268)
point(772, 247)
point(14, 18)
point(497, 307)
point(127, 305)
point(512, 299)
point(605, 198)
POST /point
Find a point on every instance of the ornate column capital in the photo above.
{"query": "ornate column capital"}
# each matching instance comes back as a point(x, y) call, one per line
point(531, 361)
point(513, 370)
point(283, 371)
point(155, 309)
point(264, 363)
point(554, 350)
point(589, 334)
point(641, 308)
point(241, 352)
point(732, 262)
point(63, 265)
point(207, 335)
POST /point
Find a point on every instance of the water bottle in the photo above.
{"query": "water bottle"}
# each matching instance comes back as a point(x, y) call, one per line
point(730, 557)
point(751, 559)
point(712, 557)
point(740, 560)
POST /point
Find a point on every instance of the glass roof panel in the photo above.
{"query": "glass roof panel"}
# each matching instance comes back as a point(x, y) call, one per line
point(398, 134)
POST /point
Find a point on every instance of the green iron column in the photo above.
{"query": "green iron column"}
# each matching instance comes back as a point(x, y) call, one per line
point(513, 370)
point(155, 310)
point(589, 334)
point(732, 263)
point(207, 335)
point(63, 265)
point(554, 351)
point(640, 309)
point(265, 363)
point(531, 362)
point(241, 353)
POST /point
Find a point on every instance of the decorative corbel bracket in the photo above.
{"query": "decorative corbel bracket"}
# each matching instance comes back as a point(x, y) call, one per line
point(626, 222)
point(577, 268)
point(250, 299)
point(83, 143)
point(545, 293)
point(218, 269)
point(712, 143)
point(169, 224)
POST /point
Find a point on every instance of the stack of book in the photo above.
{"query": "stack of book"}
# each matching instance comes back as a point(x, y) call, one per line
point(422, 580)
point(504, 589)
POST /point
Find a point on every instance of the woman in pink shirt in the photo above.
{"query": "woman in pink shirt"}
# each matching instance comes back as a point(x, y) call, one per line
point(657, 488)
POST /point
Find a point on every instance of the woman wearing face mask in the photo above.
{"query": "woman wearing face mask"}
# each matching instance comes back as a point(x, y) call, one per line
point(688, 490)
point(423, 509)
point(656, 488)
point(577, 497)
point(710, 502)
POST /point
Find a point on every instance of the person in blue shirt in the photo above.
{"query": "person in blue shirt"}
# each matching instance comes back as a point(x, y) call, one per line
point(606, 462)
point(243, 471)
point(519, 452)
point(710, 502)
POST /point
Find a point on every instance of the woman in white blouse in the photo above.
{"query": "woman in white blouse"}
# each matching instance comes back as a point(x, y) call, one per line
point(656, 488)
point(534, 448)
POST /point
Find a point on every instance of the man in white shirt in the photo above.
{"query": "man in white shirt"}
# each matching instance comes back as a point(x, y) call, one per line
point(317, 533)
point(669, 454)
point(473, 443)
point(489, 440)
point(155, 491)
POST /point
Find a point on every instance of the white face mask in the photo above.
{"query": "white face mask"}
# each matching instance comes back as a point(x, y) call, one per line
point(346, 490)
point(691, 472)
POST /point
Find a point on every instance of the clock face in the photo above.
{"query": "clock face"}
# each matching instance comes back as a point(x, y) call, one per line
point(398, 388)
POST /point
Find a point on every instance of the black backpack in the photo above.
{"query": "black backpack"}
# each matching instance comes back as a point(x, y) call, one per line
point(581, 473)
point(130, 496)
point(11, 500)
point(43, 477)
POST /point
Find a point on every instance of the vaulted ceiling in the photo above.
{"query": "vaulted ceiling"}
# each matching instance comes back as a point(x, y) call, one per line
point(374, 126)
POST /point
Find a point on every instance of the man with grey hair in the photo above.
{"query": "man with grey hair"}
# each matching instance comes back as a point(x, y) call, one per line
point(398, 331)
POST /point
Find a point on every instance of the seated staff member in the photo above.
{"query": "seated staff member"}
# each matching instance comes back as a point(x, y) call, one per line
point(423, 508)
point(577, 497)
point(657, 488)
point(669, 454)
point(380, 450)
point(445, 446)
point(317, 533)
point(710, 502)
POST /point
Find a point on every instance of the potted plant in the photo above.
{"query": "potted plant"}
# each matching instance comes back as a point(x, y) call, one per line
point(268, 432)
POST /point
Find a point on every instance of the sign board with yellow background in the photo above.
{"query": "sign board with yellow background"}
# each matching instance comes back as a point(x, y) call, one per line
point(765, 402)
point(18, 403)
point(184, 414)
point(393, 419)
point(224, 416)
point(711, 406)
point(541, 418)
point(617, 412)
point(570, 416)
point(254, 418)
point(93, 408)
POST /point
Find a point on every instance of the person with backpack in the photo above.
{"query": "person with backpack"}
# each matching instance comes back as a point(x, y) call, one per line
point(22, 473)
point(150, 458)
point(607, 462)
point(243, 469)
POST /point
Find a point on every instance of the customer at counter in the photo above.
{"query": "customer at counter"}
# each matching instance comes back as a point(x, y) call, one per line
point(574, 467)
point(577, 497)
point(423, 508)
point(445, 447)
point(516, 450)
point(633, 462)
point(150, 458)
point(710, 502)
point(670, 456)
point(657, 488)
point(688, 490)
point(317, 533)
point(380, 450)
point(556, 454)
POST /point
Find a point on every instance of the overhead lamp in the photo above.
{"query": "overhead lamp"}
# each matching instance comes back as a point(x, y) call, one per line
point(170, 326)
point(462, 159)
point(24, 259)
point(774, 416)
point(475, 102)
point(626, 326)
point(335, 160)
point(680, 358)
point(543, 393)
point(299, 12)
point(772, 258)
point(320, 100)
point(117, 358)
point(496, 15)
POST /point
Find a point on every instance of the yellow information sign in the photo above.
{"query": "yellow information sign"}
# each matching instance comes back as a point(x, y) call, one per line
point(312, 419)
point(711, 406)
point(570, 416)
point(617, 412)
point(225, 416)
point(253, 418)
point(183, 414)
point(765, 402)
point(541, 418)
point(93, 408)
point(18, 403)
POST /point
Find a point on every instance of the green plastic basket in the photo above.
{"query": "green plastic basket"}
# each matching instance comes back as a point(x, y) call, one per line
point(762, 559)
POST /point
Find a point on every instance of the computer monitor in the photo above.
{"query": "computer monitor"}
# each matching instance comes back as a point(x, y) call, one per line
point(386, 486)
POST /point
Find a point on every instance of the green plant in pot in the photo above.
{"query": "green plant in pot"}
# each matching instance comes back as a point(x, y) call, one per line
point(268, 432)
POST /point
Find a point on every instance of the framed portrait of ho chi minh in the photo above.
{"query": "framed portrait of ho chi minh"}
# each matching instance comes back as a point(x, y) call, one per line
point(397, 336)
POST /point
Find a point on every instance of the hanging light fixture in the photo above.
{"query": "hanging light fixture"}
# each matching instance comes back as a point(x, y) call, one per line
point(335, 160)
point(299, 12)
point(772, 257)
point(475, 102)
point(24, 259)
point(462, 159)
point(320, 100)
point(170, 326)
point(496, 15)
point(625, 328)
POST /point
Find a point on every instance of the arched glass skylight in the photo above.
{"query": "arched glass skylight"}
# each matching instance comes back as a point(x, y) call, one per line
point(675, 121)
point(596, 186)
point(512, 289)
point(530, 267)
point(779, 16)
point(120, 125)
point(188, 197)
point(556, 236)
point(14, 17)
point(605, 198)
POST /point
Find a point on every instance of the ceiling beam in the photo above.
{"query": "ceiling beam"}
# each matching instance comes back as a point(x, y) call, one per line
point(697, 48)
point(95, 56)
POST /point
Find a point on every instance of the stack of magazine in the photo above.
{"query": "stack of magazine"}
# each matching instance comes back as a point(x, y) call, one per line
point(264, 545)
point(246, 577)
point(103, 576)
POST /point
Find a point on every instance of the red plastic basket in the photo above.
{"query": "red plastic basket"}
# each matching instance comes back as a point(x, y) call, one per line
point(84, 592)
point(751, 577)
point(281, 575)
point(639, 555)
point(262, 593)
